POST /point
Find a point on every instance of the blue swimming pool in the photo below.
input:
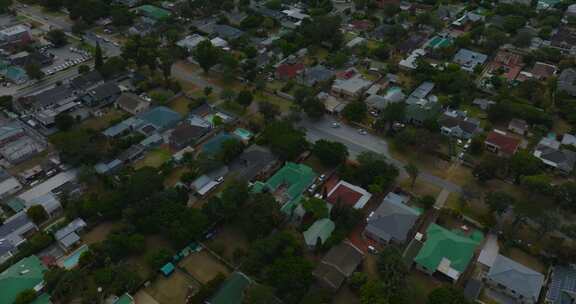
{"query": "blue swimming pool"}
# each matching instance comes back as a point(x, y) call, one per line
point(71, 260)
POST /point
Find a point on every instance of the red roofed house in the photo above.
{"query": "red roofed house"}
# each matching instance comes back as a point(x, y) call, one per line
point(287, 71)
point(501, 143)
point(508, 62)
point(348, 194)
point(360, 25)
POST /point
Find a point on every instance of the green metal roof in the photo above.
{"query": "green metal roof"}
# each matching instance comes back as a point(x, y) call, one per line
point(295, 177)
point(25, 274)
point(167, 269)
point(16, 204)
point(214, 145)
point(231, 291)
point(442, 243)
point(322, 229)
point(125, 299)
point(154, 12)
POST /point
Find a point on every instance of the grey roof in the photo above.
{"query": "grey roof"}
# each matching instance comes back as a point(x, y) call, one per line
point(393, 219)
point(12, 230)
point(468, 59)
point(338, 264)
point(130, 101)
point(48, 201)
point(517, 277)
point(51, 96)
point(315, 74)
point(85, 81)
point(10, 130)
point(105, 90)
point(563, 158)
point(562, 286)
point(466, 125)
point(420, 92)
point(472, 289)
point(252, 161)
point(69, 239)
point(72, 227)
point(567, 81)
point(227, 32)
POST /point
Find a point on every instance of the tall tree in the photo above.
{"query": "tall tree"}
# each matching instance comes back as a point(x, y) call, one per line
point(330, 153)
point(206, 55)
point(98, 58)
point(244, 98)
point(57, 37)
point(413, 172)
point(34, 71)
point(447, 295)
point(37, 214)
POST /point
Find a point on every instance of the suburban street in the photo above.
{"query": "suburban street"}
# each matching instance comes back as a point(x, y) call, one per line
point(358, 143)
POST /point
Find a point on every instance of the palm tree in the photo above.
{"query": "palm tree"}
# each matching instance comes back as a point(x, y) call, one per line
point(413, 172)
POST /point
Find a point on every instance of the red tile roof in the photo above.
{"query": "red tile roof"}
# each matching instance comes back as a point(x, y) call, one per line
point(345, 195)
point(289, 70)
point(506, 143)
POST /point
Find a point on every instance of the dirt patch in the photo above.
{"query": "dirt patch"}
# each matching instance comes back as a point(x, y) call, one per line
point(180, 105)
point(227, 241)
point(203, 266)
point(100, 232)
point(173, 289)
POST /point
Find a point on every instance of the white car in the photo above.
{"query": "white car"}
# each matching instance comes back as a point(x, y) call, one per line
point(335, 125)
point(362, 132)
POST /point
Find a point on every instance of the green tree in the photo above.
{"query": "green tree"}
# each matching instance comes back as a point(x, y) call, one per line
point(355, 111)
point(158, 258)
point(524, 163)
point(57, 37)
point(393, 271)
point(314, 108)
point(499, 202)
point(260, 216)
point(268, 110)
point(447, 295)
point(316, 207)
point(427, 201)
point(259, 294)
point(25, 297)
point(231, 149)
point(83, 69)
point(208, 90)
point(64, 122)
point(291, 276)
point(121, 16)
point(413, 172)
point(373, 292)
point(206, 55)
point(34, 71)
point(330, 153)
point(37, 214)
point(244, 98)
point(6, 102)
point(5, 5)
point(98, 57)
point(284, 140)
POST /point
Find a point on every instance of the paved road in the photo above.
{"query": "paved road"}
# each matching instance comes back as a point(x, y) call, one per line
point(36, 14)
point(358, 143)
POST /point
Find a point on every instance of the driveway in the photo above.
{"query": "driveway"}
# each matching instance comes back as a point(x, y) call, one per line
point(358, 143)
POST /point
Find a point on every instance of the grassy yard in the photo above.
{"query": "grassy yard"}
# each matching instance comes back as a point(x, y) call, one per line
point(283, 104)
point(100, 123)
point(421, 188)
point(154, 158)
point(229, 240)
point(100, 232)
point(173, 289)
point(174, 176)
point(420, 285)
point(203, 266)
point(180, 105)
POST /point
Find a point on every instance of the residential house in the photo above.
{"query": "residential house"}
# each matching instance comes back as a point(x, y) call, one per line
point(446, 252)
point(393, 221)
point(254, 161)
point(468, 60)
point(483, 104)
point(348, 194)
point(287, 71)
point(13, 233)
point(413, 42)
point(319, 232)
point(208, 182)
point(501, 143)
point(87, 81)
point(540, 71)
point(562, 285)
point(101, 96)
point(153, 12)
point(232, 291)
point(158, 119)
point(411, 62)
point(132, 103)
point(288, 185)
point(132, 154)
point(549, 151)
point(338, 265)
point(68, 236)
point(515, 280)
point(351, 88)
point(507, 62)
point(26, 274)
point(568, 140)
point(564, 39)
point(186, 134)
point(190, 42)
point(380, 102)
point(316, 74)
point(567, 82)
point(456, 125)
point(15, 36)
point(48, 104)
point(8, 184)
point(227, 32)
point(49, 202)
point(418, 114)
point(421, 93)
point(213, 146)
point(518, 126)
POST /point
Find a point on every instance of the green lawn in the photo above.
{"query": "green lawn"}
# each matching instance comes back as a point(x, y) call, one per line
point(154, 158)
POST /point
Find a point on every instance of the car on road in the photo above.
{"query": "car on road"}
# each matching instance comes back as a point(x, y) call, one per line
point(362, 132)
point(335, 125)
